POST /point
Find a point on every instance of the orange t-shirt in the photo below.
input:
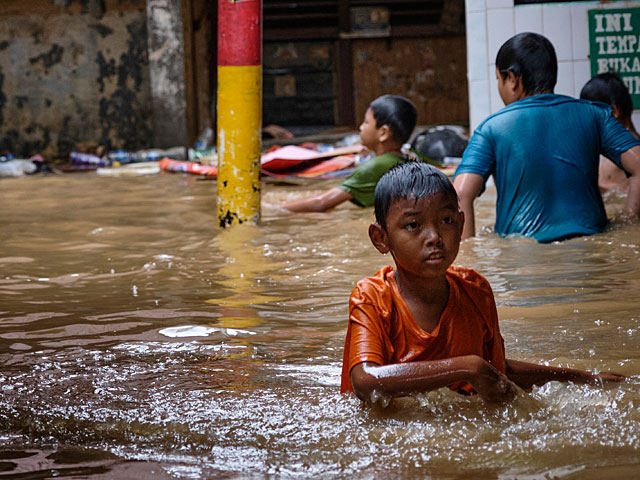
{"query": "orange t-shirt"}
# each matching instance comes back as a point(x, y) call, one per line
point(382, 329)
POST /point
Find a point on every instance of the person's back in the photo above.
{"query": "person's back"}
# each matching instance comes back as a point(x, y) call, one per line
point(546, 167)
point(542, 150)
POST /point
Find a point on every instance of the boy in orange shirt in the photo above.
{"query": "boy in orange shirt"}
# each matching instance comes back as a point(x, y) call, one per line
point(426, 324)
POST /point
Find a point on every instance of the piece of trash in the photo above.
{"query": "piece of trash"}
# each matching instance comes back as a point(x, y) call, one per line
point(183, 166)
point(205, 156)
point(436, 143)
point(277, 132)
point(80, 158)
point(17, 168)
point(187, 331)
point(287, 158)
point(205, 139)
point(121, 157)
point(200, 331)
point(351, 139)
point(133, 169)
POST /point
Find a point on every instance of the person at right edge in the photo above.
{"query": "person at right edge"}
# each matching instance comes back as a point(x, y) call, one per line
point(610, 89)
point(543, 151)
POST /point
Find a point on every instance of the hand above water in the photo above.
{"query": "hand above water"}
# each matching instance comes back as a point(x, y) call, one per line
point(526, 375)
point(491, 385)
point(608, 377)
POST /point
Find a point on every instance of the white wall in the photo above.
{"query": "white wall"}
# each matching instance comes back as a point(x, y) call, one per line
point(490, 23)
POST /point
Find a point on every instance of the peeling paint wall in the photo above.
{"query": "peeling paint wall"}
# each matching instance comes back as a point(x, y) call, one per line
point(166, 62)
point(73, 71)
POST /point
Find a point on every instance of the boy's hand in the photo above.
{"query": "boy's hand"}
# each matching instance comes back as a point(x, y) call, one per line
point(491, 385)
point(526, 375)
point(609, 377)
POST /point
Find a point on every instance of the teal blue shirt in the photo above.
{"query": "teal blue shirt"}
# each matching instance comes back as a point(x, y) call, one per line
point(543, 152)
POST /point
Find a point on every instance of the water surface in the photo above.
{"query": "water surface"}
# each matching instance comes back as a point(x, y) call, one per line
point(137, 339)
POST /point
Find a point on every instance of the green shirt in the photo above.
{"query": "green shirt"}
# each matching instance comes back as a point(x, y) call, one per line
point(362, 182)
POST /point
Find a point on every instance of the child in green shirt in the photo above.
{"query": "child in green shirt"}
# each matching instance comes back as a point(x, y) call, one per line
point(387, 125)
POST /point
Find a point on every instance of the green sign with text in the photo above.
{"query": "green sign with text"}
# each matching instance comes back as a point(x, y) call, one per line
point(614, 46)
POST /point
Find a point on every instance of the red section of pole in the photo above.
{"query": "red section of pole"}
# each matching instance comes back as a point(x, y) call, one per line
point(239, 32)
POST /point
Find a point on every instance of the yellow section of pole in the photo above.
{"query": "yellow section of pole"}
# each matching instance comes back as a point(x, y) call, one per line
point(239, 125)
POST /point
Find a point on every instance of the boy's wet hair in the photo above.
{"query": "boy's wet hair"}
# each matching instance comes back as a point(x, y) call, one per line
point(610, 89)
point(531, 57)
point(398, 113)
point(409, 180)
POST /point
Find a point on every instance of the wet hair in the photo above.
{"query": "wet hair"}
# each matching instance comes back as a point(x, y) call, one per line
point(610, 89)
point(398, 113)
point(531, 57)
point(409, 180)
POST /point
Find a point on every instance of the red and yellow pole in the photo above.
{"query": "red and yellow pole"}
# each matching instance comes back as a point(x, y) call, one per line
point(239, 110)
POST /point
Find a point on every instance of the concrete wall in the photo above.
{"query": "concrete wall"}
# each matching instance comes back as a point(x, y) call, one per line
point(166, 66)
point(73, 71)
point(491, 22)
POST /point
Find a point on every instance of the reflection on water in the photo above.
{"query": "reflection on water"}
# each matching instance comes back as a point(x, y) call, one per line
point(138, 339)
point(244, 260)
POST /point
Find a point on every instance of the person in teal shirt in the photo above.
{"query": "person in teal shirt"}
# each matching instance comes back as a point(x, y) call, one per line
point(387, 125)
point(543, 151)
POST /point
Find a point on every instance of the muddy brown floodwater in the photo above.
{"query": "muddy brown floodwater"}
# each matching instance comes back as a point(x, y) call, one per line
point(137, 339)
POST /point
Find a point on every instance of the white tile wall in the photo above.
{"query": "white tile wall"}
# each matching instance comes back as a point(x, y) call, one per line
point(580, 30)
point(528, 18)
point(479, 107)
point(494, 96)
point(476, 46)
point(500, 27)
point(556, 26)
point(491, 22)
point(499, 4)
point(581, 74)
point(475, 6)
point(565, 84)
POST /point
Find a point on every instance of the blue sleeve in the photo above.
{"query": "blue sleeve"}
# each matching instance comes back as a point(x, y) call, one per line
point(615, 139)
point(479, 157)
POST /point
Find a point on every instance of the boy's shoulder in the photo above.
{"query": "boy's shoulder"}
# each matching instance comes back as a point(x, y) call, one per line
point(476, 289)
point(384, 162)
point(531, 103)
point(375, 289)
point(469, 279)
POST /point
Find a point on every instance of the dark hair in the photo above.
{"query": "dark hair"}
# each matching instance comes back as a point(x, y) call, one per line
point(531, 57)
point(610, 89)
point(398, 113)
point(409, 180)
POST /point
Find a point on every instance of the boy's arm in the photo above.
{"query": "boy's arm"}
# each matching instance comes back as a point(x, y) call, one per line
point(318, 203)
point(417, 377)
point(526, 375)
point(631, 163)
point(468, 186)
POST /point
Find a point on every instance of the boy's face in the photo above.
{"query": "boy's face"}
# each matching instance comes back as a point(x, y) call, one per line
point(368, 130)
point(423, 236)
